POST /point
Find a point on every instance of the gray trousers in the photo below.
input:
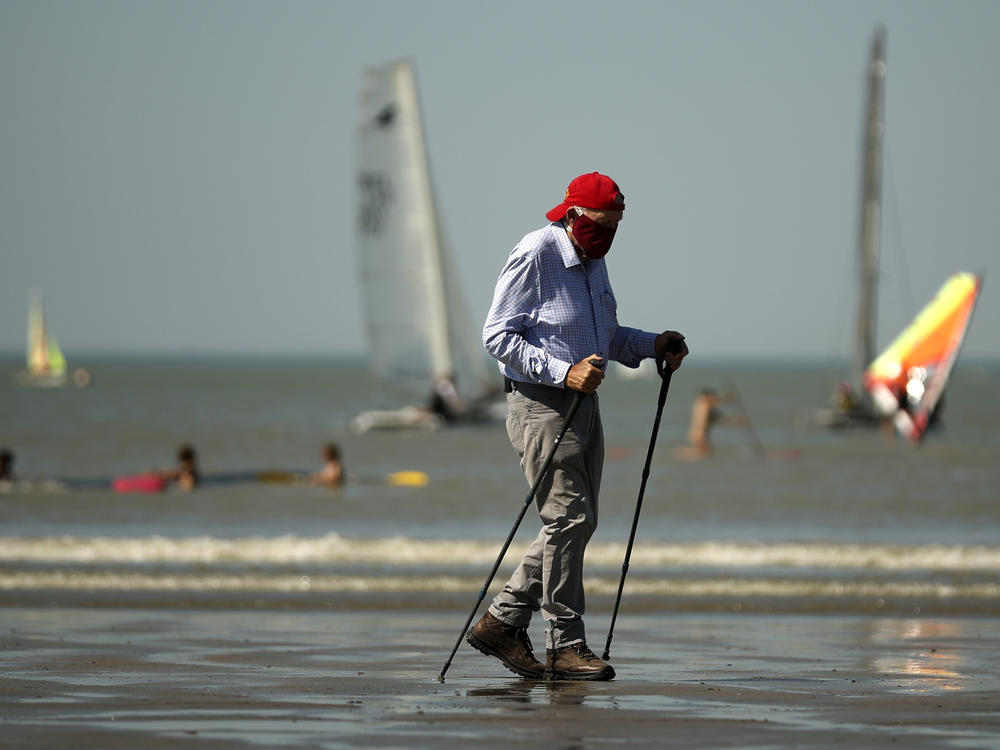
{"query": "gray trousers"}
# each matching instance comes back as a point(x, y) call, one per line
point(550, 575)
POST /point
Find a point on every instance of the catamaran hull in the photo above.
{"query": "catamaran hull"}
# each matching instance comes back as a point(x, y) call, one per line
point(837, 419)
point(407, 418)
point(415, 418)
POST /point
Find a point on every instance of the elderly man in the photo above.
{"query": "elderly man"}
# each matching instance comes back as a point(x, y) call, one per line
point(553, 326)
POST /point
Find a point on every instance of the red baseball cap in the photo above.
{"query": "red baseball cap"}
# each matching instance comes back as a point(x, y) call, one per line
point(593, 190)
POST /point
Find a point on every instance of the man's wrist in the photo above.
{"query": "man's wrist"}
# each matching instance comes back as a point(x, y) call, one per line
point(560, 373)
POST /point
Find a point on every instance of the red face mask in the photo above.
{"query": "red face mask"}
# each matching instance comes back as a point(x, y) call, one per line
point(594, 238)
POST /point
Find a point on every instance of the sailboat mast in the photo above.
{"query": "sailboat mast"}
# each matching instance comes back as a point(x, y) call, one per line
point(871, 210)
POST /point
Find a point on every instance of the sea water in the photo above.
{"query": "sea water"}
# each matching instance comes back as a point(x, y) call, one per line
point(783, 517)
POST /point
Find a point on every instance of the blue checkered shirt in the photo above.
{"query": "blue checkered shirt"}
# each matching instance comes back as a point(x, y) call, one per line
point(550, 311)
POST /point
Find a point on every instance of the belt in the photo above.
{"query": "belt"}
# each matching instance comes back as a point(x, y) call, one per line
point(510, 385)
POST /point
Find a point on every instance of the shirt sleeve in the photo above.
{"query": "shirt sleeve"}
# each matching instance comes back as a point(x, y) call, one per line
point(516, 301)
point(631, 345)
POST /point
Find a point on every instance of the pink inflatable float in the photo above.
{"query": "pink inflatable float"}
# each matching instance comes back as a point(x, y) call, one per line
point(139, 483)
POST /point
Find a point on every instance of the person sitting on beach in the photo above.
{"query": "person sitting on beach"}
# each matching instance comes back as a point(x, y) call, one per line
point(186, 474)
point(705, 414)
point(332, 473)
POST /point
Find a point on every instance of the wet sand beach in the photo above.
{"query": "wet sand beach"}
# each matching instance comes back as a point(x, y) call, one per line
point(153, 678)
point(847, 598)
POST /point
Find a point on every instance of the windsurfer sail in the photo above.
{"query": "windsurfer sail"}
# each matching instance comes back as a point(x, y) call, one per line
point(907, 380)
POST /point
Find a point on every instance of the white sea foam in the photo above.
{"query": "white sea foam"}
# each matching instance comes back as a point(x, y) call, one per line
point(333, 549)
point(728, 587)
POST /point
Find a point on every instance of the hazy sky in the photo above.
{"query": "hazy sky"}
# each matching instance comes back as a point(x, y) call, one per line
point(179, 176)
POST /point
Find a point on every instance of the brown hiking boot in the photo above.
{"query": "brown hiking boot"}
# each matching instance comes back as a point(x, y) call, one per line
point(576, 662)
point(507, 643)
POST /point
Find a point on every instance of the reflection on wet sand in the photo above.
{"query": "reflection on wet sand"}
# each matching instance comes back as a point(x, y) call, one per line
point(544, 692)
point(925, 654)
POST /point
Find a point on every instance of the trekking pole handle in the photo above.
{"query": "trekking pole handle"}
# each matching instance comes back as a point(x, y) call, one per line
point(674, 346)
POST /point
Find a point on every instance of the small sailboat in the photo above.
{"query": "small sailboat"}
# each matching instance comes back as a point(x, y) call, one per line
point(46, 365)
point(907, 380)
point(423, 344)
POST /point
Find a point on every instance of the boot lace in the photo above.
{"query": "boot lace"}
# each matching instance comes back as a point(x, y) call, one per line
point(583, 650)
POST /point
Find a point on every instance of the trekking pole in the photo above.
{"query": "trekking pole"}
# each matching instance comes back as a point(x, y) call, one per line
point(577, 399)
point(665, 373)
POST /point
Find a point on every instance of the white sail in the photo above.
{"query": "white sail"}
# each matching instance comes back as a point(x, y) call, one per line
point(418, 327)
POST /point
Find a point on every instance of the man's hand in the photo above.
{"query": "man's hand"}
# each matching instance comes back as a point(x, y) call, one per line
point(673, 359)
point(586, 374)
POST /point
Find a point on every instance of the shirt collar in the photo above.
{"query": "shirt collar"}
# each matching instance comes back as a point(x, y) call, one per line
point(566, 248)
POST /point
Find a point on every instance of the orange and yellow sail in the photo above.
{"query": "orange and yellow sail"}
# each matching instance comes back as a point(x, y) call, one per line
point(907, 379)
